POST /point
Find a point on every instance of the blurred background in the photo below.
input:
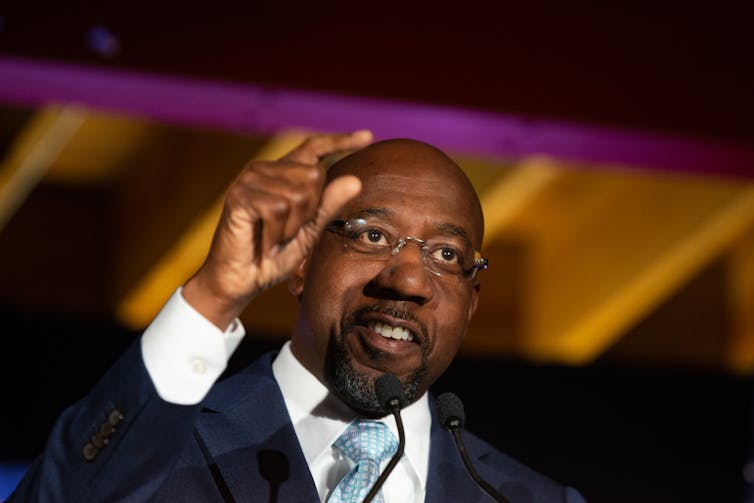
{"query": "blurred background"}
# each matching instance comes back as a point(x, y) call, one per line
point(612, 149)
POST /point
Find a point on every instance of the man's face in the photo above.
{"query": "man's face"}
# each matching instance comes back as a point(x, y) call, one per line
point(351, 302)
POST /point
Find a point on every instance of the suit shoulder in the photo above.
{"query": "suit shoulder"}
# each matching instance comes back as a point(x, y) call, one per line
point(516, 477)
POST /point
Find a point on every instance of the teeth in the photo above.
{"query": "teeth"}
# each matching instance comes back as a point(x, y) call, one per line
point(391, 332)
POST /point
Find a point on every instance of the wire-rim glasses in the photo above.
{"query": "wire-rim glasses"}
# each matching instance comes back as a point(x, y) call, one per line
point(441, 257)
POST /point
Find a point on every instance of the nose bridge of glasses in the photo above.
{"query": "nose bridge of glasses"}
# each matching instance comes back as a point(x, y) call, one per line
point(423, 251)
point(401, 243)
point(404, 240)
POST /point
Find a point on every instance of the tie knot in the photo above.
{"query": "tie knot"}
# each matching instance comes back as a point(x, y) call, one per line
point(367, 440)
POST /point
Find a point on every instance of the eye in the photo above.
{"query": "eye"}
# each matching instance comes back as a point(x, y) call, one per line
point(446, 255)
point(373, 236)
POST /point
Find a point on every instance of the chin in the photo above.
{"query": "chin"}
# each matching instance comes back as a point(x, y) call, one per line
point(356, 387)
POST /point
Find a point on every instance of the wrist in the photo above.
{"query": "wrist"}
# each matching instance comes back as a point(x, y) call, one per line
point(219, 309)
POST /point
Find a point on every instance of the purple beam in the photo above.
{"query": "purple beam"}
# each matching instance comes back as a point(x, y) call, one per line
point(264, 110)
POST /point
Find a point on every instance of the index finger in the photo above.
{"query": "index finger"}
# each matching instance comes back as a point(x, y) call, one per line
point(316, 147)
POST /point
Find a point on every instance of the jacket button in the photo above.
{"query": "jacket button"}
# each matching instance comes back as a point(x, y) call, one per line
point(115, 417)
point(98, 440)
point(107, 429)
point(90, 452)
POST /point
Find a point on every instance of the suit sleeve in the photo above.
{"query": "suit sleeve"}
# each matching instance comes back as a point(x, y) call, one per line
point(121, 440)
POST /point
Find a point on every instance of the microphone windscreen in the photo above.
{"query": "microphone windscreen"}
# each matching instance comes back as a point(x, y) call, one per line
point(389, 388)
point(450, 407)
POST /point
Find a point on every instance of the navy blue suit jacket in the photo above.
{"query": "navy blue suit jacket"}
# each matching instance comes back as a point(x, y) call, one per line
point(238, 445)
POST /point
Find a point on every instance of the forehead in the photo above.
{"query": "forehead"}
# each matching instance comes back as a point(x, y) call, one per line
point(417, 185)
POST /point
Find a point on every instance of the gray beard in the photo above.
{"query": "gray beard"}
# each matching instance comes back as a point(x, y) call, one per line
point(357, 390)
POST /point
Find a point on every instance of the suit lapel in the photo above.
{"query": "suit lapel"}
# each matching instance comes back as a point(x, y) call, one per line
point(252, 441)
point(448, 479)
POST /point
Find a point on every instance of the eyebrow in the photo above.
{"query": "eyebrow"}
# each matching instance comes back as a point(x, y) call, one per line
point(446, 228)
point(456, 231)
point(373, 212)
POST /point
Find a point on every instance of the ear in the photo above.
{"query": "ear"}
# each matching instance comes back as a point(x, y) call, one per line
point(474, 301)
point(295, 280)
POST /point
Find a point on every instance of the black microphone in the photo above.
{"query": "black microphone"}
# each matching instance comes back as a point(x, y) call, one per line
point(452, 416)
point(390, 394)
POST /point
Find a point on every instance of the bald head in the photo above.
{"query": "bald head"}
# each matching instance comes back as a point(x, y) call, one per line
point(419, 162)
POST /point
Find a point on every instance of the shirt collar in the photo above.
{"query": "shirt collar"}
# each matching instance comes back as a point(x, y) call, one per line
point(319, 417)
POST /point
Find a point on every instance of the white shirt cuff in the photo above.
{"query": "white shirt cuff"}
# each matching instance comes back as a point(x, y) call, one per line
point(185, 353)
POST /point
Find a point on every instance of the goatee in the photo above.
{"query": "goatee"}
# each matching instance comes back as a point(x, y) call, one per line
point(357, 389)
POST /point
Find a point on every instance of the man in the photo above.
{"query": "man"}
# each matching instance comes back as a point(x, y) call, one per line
point(381, 252)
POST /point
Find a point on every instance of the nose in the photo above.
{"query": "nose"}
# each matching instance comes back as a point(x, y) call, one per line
point(404, 276)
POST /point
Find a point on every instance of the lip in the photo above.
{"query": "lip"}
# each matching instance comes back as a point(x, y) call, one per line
point(382, 353)
point(371, 351)
point(414, 328)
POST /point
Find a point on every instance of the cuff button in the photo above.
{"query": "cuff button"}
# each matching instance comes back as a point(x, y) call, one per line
point(199, 366)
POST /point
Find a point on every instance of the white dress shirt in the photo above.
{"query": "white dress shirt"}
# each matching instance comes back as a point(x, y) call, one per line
point(184, 354)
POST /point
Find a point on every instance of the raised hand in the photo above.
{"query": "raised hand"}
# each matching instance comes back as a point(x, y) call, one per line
point(273, 215)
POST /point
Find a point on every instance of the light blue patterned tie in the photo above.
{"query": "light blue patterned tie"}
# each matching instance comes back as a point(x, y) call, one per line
point(368, 443)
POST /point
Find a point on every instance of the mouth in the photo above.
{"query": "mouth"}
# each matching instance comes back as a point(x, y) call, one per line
point(391, 324)
point(386, 337)
point(390, 331)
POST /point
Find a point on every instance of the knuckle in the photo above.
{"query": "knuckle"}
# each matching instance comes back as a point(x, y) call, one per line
point(248, 176)
point(315, 174)
point(299, 199)
point(279, 206)
point(236, 194)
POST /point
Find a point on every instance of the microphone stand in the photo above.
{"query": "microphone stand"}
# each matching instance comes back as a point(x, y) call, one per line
point(455, 430)
point(393, 461)
point(394, 403)
point(451, 415)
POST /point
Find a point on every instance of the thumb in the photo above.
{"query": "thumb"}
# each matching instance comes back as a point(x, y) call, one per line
point(336, 194)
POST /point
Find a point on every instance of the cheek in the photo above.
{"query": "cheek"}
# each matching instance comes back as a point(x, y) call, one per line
point(329, 290)
point(453, 307)
point(451, 323)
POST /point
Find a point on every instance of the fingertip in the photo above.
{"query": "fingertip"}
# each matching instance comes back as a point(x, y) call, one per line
point(349, 185)
point(364, 135)
point(341, 190)
point(337, 194)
